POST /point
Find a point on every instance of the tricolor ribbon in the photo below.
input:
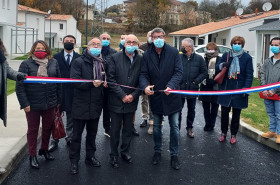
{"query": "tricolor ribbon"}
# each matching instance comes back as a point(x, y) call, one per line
point(35, 79)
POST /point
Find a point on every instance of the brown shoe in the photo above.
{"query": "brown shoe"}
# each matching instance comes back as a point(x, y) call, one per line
point(268, 135)
point(190, 133)
point(150, 130)
point(278, 139)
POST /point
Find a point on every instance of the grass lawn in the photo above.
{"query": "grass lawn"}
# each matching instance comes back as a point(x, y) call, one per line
point(255, 115)
point(11, 86)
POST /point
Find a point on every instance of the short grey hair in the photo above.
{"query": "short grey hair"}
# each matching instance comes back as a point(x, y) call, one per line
point(104, 34)
point(133, 36)
point(157, 30)
point(190, 43)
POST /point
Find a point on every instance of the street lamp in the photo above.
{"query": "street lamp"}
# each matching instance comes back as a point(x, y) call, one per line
point(49, 15)
point(87, 24)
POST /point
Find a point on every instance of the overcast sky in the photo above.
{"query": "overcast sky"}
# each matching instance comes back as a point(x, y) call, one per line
point(112, 2)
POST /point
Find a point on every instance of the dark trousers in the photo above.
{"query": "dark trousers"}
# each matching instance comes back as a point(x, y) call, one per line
point(106, 112)
point(210, 113)
point(33, 121)
point(191, 112)
point(118, 121)
point(78, 128)
point(235, 121)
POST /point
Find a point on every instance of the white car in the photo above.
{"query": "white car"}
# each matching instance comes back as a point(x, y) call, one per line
point(201, 50)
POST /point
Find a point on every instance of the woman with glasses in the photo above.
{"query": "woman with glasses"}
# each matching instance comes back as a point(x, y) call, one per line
point(39, 99)
point(239, 75)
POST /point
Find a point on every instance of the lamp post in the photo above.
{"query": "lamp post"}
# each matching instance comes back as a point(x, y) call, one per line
point(49, 15)
point(87, 25)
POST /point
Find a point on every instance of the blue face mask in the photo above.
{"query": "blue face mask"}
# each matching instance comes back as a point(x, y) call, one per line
point(105, 42)
point(159, 43)
point(236, 47)
point(131, 49)
point(122, 42)
point(150, 40)
point(95, 51)
point(274, 49)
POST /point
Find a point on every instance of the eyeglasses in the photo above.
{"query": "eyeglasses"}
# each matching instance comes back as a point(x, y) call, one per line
point(158, 37)
point(132, 43)
point(104, 38)
point(95, 44)
point(237, 43)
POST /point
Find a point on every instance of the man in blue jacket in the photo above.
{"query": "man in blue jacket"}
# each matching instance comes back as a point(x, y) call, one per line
point(162, 70)
point(65, 59)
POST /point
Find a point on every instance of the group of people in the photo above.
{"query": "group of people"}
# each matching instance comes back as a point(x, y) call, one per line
point(150, 71)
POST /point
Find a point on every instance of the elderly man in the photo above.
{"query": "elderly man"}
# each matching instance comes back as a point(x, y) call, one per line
point(87, 103)
point(162, 70)
point(106, 53)
point(194, 72)
point(124, 68)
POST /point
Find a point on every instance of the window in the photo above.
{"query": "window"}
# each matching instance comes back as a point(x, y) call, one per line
point(61, 26)
point(223, 49)
point(224, 41)
point(201, 50)
point(60, 39)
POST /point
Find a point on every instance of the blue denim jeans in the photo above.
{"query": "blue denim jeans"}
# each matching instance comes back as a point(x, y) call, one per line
point(273, 111)
point(174, 132)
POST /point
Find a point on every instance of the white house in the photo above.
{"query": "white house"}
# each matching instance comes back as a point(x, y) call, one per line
point(30, 18)
point(8, 21)
point(221, 32)
point(58, 26)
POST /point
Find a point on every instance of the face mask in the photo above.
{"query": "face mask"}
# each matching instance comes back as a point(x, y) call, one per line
point(68, 46)
point(210, 51)
point(159, 43)
point(95, 51)
point(236, 47)
point(274, 49)
point(131, 49)
point(40, 54)
point(150, 40)
point(105, 42)
point(183, 50)
point(122, 42)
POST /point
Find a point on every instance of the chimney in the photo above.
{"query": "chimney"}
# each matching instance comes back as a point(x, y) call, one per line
point(256, 11)
point(235, 14)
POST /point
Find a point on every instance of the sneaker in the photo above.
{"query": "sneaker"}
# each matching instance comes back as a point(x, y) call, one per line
point(107, 133)
point(190, 133)
point(150, 130)
point(222, 137)
point(144, 123)
point(269, 134)
point(278, 139)
point(233, 139)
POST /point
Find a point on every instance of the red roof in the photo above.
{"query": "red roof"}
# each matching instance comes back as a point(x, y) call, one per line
point(59, 17)
point(28, 9)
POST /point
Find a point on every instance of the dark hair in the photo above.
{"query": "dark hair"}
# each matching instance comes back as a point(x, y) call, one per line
point(238, 38)
point(49, 52)
point(2, 47)
point(275, 38)
point(70, 36)
point(212, 45)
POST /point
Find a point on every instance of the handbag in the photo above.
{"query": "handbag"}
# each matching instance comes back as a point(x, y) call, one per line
point(274, 97)
point(219, 78)
point(58, 130)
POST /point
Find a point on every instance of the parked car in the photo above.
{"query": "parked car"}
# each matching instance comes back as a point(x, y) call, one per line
point(201, 49)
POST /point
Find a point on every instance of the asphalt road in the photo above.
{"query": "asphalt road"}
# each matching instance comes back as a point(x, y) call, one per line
point(204, 161)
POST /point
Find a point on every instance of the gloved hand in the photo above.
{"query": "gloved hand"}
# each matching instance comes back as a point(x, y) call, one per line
point(21, 76)
point(226, 64)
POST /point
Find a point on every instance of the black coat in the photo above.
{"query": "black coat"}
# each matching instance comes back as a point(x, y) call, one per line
point(162, 71)
point(67, 88)
point(39, 96)
point(106, 56)
point(145, 46)
point(211, 85)
point(88, 99)
point(121, 71)
point(194, 72)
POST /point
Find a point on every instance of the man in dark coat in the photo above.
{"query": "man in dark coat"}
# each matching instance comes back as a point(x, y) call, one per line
point(87, 103)
point(106, 52)
point(194, 72)
point(124, 68)
point(64, 59)
point(162, 70)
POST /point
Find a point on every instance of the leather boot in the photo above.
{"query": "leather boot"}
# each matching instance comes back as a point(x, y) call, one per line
point(34, 162)
point(46, 154)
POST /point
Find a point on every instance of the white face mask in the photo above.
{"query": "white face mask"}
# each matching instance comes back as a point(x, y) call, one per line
point(210, 51)
point(150, 40)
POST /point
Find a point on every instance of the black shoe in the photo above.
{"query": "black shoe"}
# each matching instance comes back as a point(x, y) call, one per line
point(156, 158)
point(68, 143)
point(92, 162)
point(107, 133)
point(114, 161)
point(208, 128)
point(134, 132)
point(53, 146)
point(126, 157)
point(144, 123)
point(74, 168)
point(34, 162)
point(46, 154)
point(175, 162)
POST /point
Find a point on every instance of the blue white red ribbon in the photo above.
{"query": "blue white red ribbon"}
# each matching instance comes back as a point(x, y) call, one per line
point(35, 79)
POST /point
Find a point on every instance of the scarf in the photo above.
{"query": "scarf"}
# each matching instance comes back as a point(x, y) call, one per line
point(211, 55)
point(234, 68)
point(98, 68)
point(43, 63)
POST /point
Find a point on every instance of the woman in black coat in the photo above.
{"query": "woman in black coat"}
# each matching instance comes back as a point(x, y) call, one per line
point(39, 99)
point(209, 102)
